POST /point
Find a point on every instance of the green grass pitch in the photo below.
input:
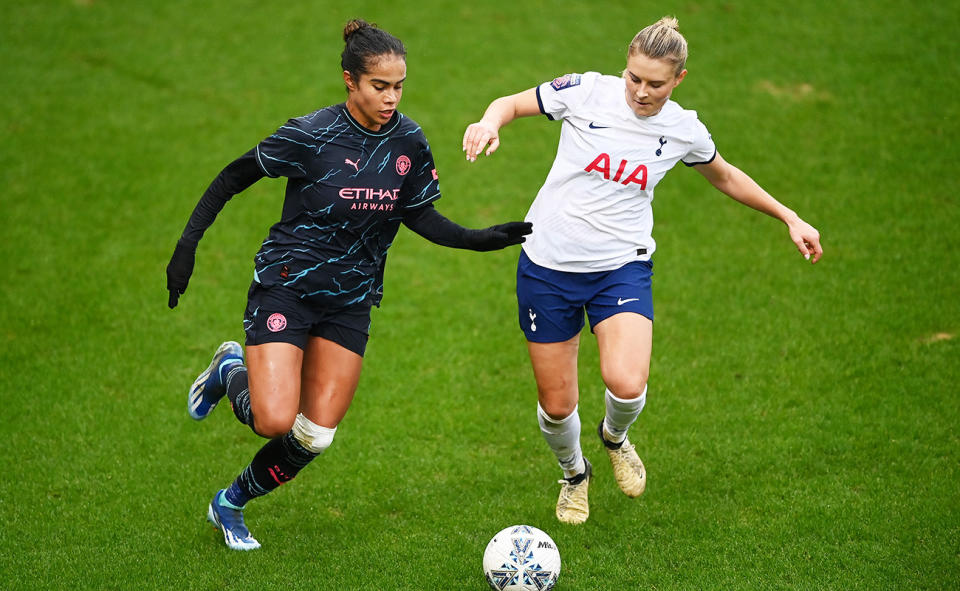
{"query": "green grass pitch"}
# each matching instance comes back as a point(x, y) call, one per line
point(802, 426)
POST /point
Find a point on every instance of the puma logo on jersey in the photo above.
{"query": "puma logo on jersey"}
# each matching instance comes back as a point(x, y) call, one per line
point(355, 165)
point(601, 164)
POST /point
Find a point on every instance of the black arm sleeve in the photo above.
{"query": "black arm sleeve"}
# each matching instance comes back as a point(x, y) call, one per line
point(237, 176)
point(428, 222)
point(432, 225)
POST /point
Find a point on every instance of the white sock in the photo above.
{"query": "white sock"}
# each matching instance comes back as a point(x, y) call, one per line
point(563, 437)
point(621, 413)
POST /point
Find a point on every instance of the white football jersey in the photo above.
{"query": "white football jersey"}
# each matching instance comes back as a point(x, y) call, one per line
point(593, 212)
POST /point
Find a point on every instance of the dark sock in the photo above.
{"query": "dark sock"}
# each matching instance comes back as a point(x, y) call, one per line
point(276, 463)
point(238, 392)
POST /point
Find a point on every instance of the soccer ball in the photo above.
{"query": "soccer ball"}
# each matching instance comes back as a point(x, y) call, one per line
point(521, 558)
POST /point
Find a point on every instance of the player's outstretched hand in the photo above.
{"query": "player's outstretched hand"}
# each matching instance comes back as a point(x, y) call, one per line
point(807, 239)
point(499, 236)
point(477, 137)
point(179, 270)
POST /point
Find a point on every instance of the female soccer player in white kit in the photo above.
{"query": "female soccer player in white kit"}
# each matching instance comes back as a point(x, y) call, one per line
point(591, 246)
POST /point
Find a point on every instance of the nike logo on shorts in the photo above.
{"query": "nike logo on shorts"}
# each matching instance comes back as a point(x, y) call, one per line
point(595, 126)
point(621, 301)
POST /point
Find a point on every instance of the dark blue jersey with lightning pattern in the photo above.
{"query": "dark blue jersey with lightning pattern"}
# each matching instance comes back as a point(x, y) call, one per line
point(347, 190)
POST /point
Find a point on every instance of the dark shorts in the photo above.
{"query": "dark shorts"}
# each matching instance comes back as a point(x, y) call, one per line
point(551, 303)
point(278, 315)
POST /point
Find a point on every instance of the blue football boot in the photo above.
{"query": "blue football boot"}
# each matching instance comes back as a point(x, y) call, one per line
point(210, 386)
point(230, 522)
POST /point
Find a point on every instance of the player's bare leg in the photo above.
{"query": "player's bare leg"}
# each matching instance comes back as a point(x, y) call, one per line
point(269, 395)
point(555, 370)
point(296, 398)
point(273, 371)
point(328, 381)
point(625, 342)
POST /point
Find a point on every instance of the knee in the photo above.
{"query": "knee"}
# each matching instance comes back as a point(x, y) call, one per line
point(557, 410)
point(272, 424)
point(626, 386)
point(558, 400)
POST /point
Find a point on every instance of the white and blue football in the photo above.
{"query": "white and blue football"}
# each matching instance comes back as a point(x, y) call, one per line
point(521, 558)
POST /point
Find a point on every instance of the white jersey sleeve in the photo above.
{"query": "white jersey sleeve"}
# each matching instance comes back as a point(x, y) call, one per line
point(565, 94)
point(702, 148)
point(594, 210)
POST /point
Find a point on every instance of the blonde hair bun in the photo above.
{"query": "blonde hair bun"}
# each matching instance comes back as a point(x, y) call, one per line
point(662, 40)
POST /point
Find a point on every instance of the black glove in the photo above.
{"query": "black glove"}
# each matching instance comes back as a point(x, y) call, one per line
point(497, 237)
point(179, 270)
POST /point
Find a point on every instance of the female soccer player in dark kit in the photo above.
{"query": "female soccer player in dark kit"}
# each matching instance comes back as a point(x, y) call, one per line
point(591, 246)
point(355, 171)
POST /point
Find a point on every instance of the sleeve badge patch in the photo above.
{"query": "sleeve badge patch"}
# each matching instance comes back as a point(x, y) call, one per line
point(565, 81)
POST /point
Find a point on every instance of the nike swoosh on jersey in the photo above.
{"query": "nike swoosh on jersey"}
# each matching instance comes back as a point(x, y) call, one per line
point(621, 301)
point(595, 126)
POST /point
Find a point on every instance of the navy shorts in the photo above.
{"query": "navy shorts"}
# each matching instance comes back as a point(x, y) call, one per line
point(551, 303)
point(278, 315)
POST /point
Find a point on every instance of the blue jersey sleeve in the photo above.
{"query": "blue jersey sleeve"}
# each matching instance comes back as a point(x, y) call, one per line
point(288, 151)
point(421, 185)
